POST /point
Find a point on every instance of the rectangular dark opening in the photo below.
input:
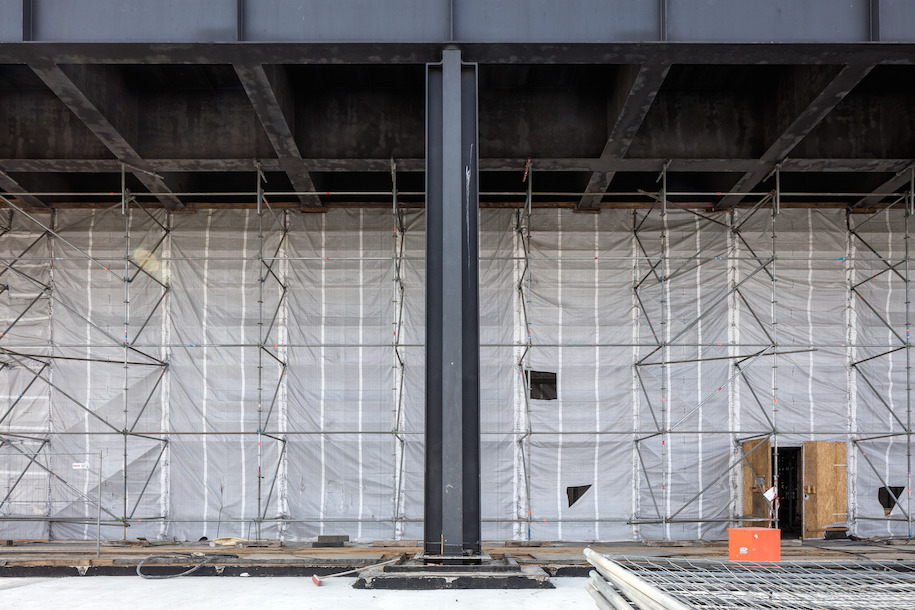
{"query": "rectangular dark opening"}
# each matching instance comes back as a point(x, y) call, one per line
point(790, 484)
point(543, 385)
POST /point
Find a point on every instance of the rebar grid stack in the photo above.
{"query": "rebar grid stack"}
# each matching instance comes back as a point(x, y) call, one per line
point(675, 584)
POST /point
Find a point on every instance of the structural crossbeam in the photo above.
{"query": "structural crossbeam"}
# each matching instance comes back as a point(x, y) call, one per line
point(271, 94)
point(94, 113)
point(487, 164)
point(902, 179)
point(11, 186)
point(811, 114)
point(635, 91)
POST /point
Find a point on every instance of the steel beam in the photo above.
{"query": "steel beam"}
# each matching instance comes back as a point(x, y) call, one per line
point(270, 93)
point(635, 91)
point(106, 120)
point(807, 118)
point(553, 164)
point(899, 53)
point(11, 186)
point(898, 182)
point(452, 492)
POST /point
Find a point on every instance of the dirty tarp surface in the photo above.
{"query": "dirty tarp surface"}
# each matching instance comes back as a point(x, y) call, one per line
point(307, 358)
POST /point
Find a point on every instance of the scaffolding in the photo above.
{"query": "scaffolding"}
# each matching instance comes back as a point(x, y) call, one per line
point(706, 372)
point(680, 344)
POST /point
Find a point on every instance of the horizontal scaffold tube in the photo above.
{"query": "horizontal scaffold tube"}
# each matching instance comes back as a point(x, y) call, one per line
point(627, 581)
point(609, 595)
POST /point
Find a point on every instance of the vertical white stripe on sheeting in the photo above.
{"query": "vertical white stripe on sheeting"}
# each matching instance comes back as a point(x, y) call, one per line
point(636, 490)
point(889, 366)
point(851, 339)
point(810, 251)
point(206, 380)
point(49, 421)
point(165, 355)
point(125, 290)
point(517, 426)
point(734, 388)
point(323, 395)
point(595, 483)
point(699, 372)
point(666, 355)
point(283, 353)
point(560, 494)
point(87, 442)
point(397, 499)
point(361, 388)
point(242, 373)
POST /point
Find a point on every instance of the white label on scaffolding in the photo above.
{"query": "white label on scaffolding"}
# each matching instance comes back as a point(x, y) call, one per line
point(770, 494)
point(80, 466)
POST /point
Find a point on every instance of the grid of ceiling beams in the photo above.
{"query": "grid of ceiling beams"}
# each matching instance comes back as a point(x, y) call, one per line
point(191, 124)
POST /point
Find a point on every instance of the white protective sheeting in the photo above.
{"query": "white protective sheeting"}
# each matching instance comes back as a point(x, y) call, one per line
point(281, 407)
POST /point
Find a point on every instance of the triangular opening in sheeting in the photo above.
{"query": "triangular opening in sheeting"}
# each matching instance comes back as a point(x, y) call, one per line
point(575, 493)
point(888, 496)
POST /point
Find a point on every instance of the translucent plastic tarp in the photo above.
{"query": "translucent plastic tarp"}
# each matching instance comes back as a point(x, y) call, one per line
point(263, 395)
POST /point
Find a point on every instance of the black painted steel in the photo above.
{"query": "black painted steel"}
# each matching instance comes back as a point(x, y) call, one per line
point(452, 492)
point(585, 89)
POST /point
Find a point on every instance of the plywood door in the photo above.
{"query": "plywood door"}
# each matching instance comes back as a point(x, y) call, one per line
point(824, 488)
point(757, 478)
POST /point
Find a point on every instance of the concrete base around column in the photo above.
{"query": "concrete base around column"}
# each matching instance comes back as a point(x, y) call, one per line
point(415, 574)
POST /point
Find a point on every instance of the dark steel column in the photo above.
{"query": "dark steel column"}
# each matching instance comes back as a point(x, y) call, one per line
point(452, 509)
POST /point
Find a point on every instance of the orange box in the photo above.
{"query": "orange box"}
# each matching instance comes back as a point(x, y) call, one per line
point(754, 544)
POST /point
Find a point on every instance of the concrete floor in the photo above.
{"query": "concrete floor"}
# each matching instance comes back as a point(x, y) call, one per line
point(105, 592)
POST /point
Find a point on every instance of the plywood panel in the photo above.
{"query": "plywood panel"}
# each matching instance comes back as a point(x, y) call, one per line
point(824, 486)
point(757, 478)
